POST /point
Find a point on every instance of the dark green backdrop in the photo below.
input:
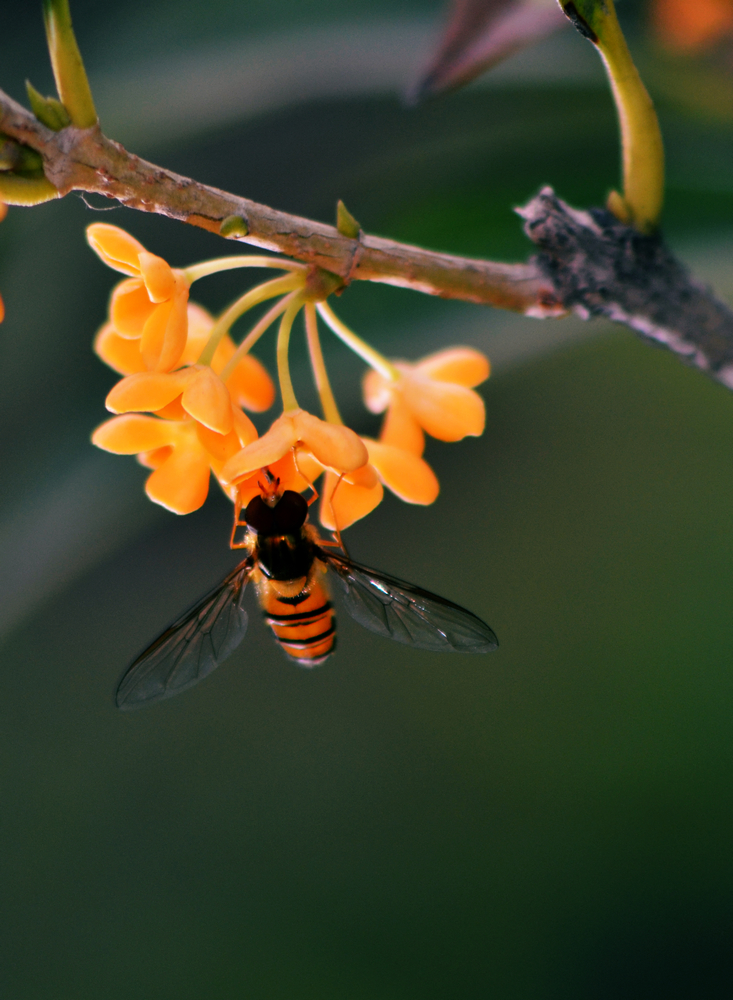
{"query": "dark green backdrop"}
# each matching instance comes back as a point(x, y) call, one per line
point(550, 822)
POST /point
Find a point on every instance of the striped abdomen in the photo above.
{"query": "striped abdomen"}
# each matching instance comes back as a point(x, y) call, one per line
point(303, 624)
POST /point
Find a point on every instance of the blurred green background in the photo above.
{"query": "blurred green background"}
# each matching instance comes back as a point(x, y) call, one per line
point(552, 821)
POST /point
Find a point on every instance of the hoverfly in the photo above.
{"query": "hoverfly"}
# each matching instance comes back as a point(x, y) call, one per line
point(287, 560)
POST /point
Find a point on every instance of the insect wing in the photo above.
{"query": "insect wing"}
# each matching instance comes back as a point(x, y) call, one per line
point(401, 611)
point(193, 646)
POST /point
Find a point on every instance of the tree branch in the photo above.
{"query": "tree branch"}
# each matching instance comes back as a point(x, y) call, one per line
point(85, 160)
point(589, 262)
point(600, 267)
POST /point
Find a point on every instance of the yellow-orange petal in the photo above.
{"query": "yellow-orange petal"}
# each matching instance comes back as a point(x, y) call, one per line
point(130, 308)
point(333, 445)
point(305, 470)
point(377, 391)
point(400, 428)
point(408, 476)
point(181, 483)
point(2, 304)
point(462, 365)
point(221, 447)
point(200, 323)
point(272, 446)
point(116, 247)
point(164, 334)
point(172, 411)
point(153, 335)
point(156, 457)
point(295, 474)
point(120, 353)
point(366, 476)
point(149, 391)
point(3, 210)
point(243, 427)
point(342, 502)
point(250, 384)
point(447, 411)
point(133, 433)
point(206, 399)
point(157, 275)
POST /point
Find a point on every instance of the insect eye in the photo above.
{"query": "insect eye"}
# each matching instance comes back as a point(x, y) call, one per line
point(259, 516)
point(290, 512)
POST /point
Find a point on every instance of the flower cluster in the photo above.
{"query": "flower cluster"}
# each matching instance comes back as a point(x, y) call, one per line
point(180, 406)
point(692, 27)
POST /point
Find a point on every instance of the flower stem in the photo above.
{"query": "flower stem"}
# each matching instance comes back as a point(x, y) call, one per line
point(283, 343)
point(328, 402)
point(252, 298)
point(255, 333)
point(207, 267)
point(641, 138)
point(373, 358)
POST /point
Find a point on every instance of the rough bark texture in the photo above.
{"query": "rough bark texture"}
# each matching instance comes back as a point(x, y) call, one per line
point(600, 267)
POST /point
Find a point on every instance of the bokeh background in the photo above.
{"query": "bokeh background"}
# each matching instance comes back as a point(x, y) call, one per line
point(552, 821)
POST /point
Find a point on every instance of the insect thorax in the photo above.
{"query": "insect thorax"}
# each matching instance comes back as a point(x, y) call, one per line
point(284, 557)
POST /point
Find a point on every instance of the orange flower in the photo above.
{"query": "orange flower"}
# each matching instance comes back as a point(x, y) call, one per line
point(181, 453)
point(689, 25)
point(151, 305)
point(197, 427)
point(357, 494)
point(333, 446)
point(200, 393)
point(434, 395)
point(249, 384)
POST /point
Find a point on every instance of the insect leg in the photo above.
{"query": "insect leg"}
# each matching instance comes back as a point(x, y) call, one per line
point(314, 491)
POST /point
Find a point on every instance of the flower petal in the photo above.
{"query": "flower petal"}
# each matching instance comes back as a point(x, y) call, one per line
point(250, 384)
point(342, 502)
point(118, 352)
point(157, 275)
point(462, 365)
point(243, 427)
point(220, 446)
point(366, 476)
point(156, 457)
point(447, 411)
point(165, 332)
point(297, 471)
point(377, 391)
point(400, 427)
point(133, 433)
point(172, 411)
point(116, 247)
point(200, 323)
point(268, 449)
point(147, 391)
point(408, 476)
point(206, 399)
point(333, 445)
point(181, 483)
point(130, 308)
